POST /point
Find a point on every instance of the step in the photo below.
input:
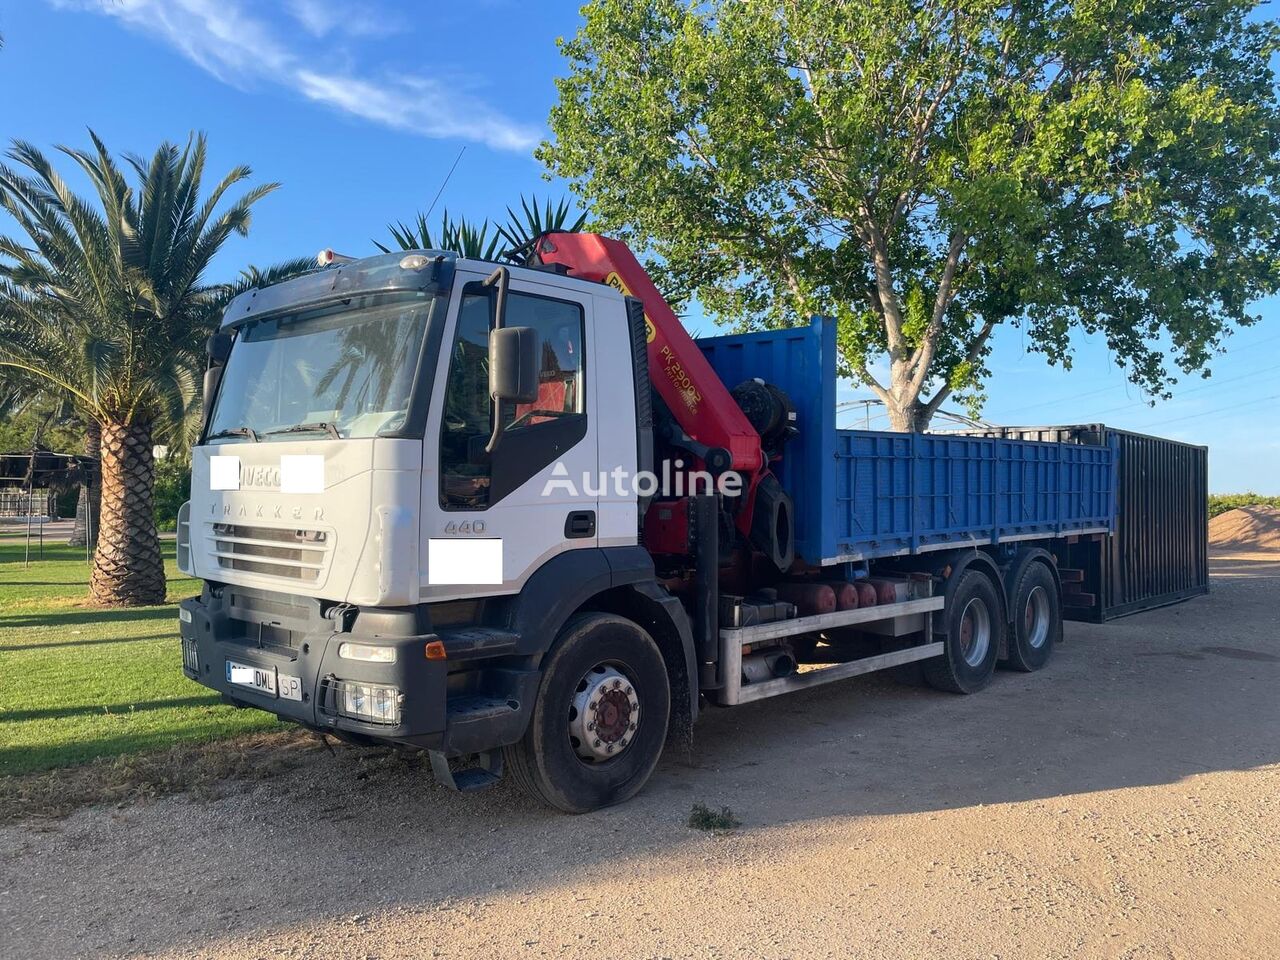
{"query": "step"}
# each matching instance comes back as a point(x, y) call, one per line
point(469, 643)
point(486, 772)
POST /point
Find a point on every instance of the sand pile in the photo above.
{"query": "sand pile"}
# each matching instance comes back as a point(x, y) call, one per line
point(1246, 528)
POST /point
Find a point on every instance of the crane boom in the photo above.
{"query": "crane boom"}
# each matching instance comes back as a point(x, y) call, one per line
point(697, 398)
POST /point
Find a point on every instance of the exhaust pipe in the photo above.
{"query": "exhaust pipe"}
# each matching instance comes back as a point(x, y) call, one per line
point(759, 667)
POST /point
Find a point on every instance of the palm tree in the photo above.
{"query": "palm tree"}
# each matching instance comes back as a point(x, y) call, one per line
point(510, 241)
point(104, 299)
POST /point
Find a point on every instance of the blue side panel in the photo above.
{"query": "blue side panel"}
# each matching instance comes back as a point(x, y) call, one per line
point(871, 493)
point(875, 503)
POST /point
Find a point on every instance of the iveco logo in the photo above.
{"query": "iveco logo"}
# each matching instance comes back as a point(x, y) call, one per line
point(246, 511)
point(259, 478)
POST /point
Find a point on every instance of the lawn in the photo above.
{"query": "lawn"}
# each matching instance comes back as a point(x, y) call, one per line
point(77, 682)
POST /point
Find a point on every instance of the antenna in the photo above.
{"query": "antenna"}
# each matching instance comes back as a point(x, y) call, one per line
point(445, 183)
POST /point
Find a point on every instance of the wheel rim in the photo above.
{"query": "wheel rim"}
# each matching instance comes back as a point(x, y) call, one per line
point(975, 632)
point(604, 714)
point(1035, 618)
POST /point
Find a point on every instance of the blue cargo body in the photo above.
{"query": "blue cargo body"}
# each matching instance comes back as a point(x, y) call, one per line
point(862, 494)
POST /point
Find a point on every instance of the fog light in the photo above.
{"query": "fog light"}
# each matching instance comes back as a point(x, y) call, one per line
point(184, 614)
point(370, 702)
point(367, 652)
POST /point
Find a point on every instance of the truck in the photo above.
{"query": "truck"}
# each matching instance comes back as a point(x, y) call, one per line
point(514, 515)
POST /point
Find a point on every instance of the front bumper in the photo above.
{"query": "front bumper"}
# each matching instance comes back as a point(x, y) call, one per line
point(455, 707)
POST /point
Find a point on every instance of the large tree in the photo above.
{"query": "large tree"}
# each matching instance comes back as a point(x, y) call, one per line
point(105, 299)
point(927, 171)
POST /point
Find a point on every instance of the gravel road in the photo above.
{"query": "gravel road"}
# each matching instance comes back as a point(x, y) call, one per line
point(1123, 803)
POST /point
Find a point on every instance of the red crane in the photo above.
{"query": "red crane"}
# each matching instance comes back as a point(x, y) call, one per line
point(716, 430)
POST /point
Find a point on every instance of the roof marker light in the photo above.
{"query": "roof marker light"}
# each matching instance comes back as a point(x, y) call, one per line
point(414, 261)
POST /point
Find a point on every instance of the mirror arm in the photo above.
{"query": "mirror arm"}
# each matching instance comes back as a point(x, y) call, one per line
point(502, 278)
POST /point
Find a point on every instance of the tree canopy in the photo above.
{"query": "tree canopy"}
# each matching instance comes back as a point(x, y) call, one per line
point(928, 171)
point(103, 300)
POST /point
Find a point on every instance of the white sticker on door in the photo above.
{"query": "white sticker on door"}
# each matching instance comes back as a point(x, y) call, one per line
point(464, 562)
point(302, 473)
point(224, 473)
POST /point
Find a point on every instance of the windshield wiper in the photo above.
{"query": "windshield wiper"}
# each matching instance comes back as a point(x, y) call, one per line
point(313, 427)
point(234, 432)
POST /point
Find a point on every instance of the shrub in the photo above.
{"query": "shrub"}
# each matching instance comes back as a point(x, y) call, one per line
point(173, 489)
point(1222, 502)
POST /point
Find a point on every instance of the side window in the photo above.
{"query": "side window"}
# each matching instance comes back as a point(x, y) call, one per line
point(535, 433)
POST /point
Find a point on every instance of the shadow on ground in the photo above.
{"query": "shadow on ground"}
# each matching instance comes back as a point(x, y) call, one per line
point(1150, 699)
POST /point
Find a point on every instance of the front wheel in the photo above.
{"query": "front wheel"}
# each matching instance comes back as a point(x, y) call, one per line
point(600, 718)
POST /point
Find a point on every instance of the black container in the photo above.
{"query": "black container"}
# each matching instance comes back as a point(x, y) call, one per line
point(1160, 551)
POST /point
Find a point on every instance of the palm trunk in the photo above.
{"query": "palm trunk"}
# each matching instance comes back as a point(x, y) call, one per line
point(127, 567)
point(85, 531)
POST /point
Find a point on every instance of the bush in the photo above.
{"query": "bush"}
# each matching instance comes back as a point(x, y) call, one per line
point(1222, 502)
point(173, 489)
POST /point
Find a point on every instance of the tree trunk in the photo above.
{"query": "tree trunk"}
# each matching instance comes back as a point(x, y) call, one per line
point(85, 530)
point(127, 567)
point(906, 413)
point(908, 418)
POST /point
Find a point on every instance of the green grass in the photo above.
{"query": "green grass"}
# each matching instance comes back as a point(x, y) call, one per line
point(78, 682)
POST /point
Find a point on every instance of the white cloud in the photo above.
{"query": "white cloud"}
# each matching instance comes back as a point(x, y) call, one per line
point(241, 49)
point(321, 17)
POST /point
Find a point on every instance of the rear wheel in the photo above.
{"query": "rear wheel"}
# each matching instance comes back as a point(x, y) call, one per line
point(600, 718)
point(972, 641)
point(1037, 619)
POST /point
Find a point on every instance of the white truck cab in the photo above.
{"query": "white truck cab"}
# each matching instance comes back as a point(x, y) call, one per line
point(388, 551)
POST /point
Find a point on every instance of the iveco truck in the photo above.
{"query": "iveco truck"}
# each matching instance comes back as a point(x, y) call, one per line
point(514, 515)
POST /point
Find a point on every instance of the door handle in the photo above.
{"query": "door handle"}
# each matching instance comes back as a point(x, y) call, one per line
point(579, 524)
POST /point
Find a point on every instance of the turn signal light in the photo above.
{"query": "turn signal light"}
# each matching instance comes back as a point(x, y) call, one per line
point(435, 650)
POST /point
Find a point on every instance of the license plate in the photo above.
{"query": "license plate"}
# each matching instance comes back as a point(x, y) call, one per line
point(264, 680)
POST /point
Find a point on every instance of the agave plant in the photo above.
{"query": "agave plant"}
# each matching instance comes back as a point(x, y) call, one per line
point(522, 230)
point(104, 300)
point(460, 236)
point(510, 241)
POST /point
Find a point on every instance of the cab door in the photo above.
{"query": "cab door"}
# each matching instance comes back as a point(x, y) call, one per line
point(490, 520)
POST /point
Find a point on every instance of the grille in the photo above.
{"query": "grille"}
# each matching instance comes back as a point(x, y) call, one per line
point(190, 660)
point(272, 551)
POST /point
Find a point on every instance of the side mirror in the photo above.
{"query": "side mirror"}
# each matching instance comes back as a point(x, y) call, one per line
point(513, 364)
point(219, 349)
point(513, 373)
point(212, 378)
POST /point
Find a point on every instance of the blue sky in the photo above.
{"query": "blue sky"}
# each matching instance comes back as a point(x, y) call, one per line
point(359, 109)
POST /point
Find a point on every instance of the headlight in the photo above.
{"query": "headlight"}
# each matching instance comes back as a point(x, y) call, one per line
point(184, 614)
point(370, 702)
point(367, 652)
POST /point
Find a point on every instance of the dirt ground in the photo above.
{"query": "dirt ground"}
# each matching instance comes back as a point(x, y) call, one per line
point(1123, 803)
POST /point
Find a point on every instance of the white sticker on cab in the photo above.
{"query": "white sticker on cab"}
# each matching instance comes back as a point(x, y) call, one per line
point(302, 473)
point(224, 473)
point(453, 562)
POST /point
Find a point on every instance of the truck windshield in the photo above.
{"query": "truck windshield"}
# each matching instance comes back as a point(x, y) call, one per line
point(338, 372)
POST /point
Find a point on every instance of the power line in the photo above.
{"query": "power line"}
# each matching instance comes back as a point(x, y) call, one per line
point(1182, 393)
point(1205, 413)
point(1094, 393)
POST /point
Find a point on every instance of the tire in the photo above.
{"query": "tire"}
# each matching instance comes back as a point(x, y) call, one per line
point(969, 649)
point(613, 660)
point(1036, 619)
